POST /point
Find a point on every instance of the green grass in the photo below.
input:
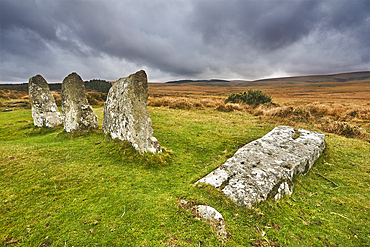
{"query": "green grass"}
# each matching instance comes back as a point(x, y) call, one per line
point(85, 189)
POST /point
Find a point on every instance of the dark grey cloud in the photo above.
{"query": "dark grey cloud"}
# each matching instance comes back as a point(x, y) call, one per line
point(268, 24)
point(182, 39)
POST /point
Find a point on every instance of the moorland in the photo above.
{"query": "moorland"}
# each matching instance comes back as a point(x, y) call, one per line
point(85, 189)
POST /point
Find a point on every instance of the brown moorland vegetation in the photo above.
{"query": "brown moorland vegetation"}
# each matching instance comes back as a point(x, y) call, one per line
point(337, 104)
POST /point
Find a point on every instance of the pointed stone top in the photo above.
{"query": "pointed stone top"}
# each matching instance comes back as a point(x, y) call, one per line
point(141, 74)
point(138, 76)
point(139, 81)
point(37, 77)
point(74, 87)
point(39, 81)
point(73, 76)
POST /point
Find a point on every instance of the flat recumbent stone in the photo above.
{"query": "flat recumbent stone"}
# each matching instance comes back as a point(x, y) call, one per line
point(265, 168)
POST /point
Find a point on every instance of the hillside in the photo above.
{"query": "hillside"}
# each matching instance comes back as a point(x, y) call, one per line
point(339, 88)
point(342, 77)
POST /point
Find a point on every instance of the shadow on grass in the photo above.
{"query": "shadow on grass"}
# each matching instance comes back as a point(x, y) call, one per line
point(32, 130)
point(123, 152)
point(77, 133)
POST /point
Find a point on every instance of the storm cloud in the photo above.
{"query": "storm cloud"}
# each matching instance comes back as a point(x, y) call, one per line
point(199, 39)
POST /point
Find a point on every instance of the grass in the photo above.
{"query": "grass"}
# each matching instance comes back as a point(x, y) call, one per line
point(85, 189)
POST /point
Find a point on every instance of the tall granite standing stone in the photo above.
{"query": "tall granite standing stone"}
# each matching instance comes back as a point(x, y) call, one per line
point(77, 113)
point(45, 112)
point(126, 114)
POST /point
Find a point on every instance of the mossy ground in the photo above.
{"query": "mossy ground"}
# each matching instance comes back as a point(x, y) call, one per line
point(85, 189)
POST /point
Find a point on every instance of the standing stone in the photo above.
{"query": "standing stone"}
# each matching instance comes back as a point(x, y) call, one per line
point(77, 113)
point(126, 115)
point(45, 112)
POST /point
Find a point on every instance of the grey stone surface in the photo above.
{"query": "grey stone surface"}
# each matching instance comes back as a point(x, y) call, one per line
point(207, 214)
point(77, 113)
point(211, 216)
point(264, 168)
point(45, 112)
point(126, 114)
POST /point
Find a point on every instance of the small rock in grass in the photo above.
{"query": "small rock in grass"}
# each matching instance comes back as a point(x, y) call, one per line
point(211, 216)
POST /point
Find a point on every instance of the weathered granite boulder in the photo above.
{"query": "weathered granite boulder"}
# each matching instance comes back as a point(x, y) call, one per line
point(264, 168)
point(207, 214)
point(77, 113)
point(126, 114)
point(211, 216)
point(45, 112)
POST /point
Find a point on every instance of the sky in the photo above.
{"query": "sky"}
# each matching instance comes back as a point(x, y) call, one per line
point(182, 39)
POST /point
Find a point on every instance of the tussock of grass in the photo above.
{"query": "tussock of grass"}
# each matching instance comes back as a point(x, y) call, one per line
point(332, 119)
point(345, 129)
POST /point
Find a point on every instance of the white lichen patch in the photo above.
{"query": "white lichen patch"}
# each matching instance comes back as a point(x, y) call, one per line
point(265, 168)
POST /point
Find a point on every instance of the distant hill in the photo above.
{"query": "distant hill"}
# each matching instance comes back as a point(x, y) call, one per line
point(299, 81)
point(211, 82)
point(187, 81)
point(343, 77)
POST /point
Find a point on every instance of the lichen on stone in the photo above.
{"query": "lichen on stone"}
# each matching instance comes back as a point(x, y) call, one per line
point(265, 168)
point(45, 112)
point(77, 113)
point(126, 115)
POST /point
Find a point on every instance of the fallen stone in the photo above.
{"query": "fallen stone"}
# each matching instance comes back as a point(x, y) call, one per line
point(45, 112)
point(7, 110)
point(264, 168)
point(77, 113)
point(211, 216)
point(126, 115)
point(207, 214)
